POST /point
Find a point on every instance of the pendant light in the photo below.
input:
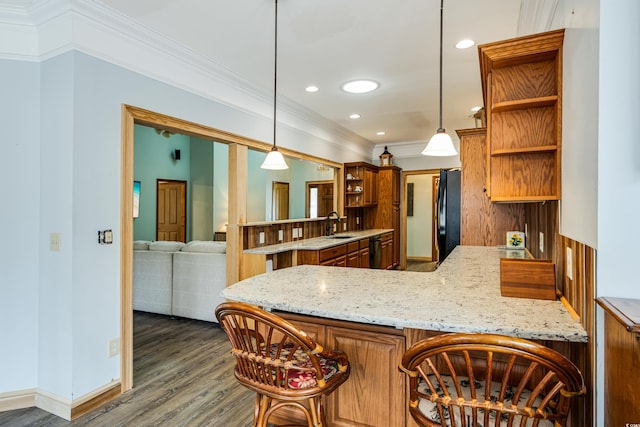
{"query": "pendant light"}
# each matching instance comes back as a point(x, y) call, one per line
point(274, 159)
point(440, 144)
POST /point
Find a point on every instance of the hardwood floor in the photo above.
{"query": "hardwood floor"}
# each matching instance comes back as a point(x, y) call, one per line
point(183, 376)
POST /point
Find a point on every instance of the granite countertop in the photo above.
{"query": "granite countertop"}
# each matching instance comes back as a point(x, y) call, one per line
point(462, 295)
point(317, 243)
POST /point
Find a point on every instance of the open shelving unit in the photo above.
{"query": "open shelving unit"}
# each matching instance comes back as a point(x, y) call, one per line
point(522, 88)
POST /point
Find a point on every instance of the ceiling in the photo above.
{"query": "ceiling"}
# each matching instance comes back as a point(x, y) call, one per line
point(329, 42)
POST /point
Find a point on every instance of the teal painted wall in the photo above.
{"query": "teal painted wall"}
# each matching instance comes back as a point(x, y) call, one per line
point(153, 161)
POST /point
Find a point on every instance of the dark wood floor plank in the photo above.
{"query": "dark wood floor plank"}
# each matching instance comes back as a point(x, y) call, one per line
point(182, 374)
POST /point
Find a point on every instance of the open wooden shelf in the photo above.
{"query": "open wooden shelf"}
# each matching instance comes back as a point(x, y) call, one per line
point(520, 104)
point(539, 149)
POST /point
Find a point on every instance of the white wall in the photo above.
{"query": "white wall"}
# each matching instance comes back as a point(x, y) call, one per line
point(579, 205)
point(21, 238)
point(58, 186)
point(72, 309)
point(618, 149)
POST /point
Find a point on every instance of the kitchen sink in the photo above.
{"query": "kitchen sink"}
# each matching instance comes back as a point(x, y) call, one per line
point(339, 236)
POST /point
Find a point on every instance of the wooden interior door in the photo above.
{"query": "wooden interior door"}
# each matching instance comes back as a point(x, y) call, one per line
point(171, 210)
point(280, 200)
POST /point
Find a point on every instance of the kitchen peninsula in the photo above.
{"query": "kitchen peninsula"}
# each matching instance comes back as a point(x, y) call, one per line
point(374, 315)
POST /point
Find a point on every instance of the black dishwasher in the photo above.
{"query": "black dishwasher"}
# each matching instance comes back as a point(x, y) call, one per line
point(375, 251)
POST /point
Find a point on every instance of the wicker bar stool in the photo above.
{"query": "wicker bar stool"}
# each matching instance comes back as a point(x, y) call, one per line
point(472, 380)
point(278, 361)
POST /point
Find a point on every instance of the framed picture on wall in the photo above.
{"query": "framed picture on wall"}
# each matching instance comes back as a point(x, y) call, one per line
point(410, 199)
point(136, 199)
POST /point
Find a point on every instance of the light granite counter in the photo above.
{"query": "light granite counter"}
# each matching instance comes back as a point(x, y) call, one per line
point(462, 295)
point(317, 243)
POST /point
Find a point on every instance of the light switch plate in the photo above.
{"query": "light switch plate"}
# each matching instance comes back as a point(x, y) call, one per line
point(541, 242)
point(569, 263)
point(261, 237)
point(55, 242)
point(280, 235)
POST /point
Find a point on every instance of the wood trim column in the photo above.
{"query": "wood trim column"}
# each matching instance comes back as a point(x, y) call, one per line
point(238, 155)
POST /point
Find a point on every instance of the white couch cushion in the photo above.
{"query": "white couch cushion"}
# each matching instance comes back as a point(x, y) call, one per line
point(205, 246)
point(165, 246)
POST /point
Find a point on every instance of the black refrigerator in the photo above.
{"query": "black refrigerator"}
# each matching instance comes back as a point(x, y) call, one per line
point(448, 212)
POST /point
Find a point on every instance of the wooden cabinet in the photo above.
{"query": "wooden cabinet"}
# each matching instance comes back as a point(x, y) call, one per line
point(621, 361)
point(373, 396)
point(361, 185)
point(482, 223)
point(352, 254)
point(387, 251)
point(387, 214)
point(364, 257)
point(522, 89)
point(333, 256)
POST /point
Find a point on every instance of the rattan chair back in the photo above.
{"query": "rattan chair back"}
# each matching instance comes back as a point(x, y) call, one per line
point(472, 380)
point(280, 362)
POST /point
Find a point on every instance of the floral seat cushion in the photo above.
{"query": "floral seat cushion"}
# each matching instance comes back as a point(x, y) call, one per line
point(302, 374)
point(431, 410)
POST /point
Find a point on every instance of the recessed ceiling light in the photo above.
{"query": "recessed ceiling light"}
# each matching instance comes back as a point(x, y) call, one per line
point(360, 86)
point(311, 88)
point(476, 109)
point(354, 116)
point(380, 133)
point(465, 44)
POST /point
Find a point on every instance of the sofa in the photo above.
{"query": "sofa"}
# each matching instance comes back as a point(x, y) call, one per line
point(178, 279)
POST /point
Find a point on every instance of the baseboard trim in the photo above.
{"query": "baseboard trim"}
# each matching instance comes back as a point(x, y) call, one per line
point(17, 400)
point(53, 404)
point(96, 399)
point(57, 405)
point(419, 258)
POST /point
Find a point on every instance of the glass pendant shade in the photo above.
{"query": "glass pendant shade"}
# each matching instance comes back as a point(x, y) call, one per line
point(440, 144)
point(274, 160)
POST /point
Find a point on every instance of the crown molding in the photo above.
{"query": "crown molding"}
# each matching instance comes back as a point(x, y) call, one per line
point(43, 29)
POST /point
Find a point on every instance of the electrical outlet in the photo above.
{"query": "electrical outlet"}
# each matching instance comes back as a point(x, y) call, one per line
point(358, 220)
point(541, 242)
point(300, 232)
point(344, 226)
point(295, 233)
point(280, 235)
point(569, 263)
point(335, 228)
point(114, 347)
point(261, 237)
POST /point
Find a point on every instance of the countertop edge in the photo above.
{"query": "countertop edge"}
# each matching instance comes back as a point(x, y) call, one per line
point(316, 243)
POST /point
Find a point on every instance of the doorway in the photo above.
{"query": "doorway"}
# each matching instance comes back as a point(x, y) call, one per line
point(280, 200)
point(238, 173)
point(418, 225)
point(171, 210)
point(319, 199)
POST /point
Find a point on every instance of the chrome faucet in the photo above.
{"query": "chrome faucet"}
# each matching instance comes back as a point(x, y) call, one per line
point(327, 225)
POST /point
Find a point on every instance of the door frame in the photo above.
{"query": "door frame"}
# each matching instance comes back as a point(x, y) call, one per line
point(307, 199)
point(275, 201)
point(131, 116)
point(403, 214)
